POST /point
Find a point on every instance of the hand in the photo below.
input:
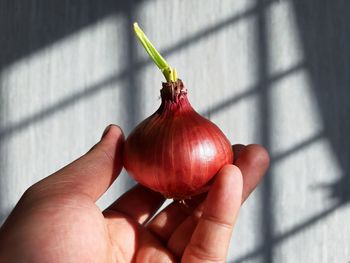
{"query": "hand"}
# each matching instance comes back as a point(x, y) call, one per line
point(56, 220)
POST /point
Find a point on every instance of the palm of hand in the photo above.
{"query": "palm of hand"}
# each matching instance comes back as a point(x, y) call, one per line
point(57, 220)
point(72, 227)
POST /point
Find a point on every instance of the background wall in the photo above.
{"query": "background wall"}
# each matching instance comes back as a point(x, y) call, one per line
point(271, 72)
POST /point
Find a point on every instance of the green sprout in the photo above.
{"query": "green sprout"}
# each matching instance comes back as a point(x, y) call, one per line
point(169, 73)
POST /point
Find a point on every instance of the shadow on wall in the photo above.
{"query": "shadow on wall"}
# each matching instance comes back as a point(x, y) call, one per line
point(128, 74)
point(28, 26)
point(324, 31)
point(325, 34)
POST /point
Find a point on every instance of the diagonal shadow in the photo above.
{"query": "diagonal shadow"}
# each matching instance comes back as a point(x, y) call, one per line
point(251, 91)
point(298, 147)
point(279, 238)
point(108, 84)
point(325, 48)
point(251, 12)
point(38, 24)
point(325, 33)
point(56, 107)
point(325, 36)
point(127, 73)
point(27, 26)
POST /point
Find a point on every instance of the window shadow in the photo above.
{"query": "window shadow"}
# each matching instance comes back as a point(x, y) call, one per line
point(32, 25)
point(325, 36)
point(129, 72)
point(250, 91)
point(276, 239)
point(262, 69)
point(324, 31)
point(29, 26)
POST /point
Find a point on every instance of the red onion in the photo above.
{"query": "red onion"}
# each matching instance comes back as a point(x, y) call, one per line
point(175, 151)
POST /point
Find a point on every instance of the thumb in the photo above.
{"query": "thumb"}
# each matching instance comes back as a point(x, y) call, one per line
point(91, 174)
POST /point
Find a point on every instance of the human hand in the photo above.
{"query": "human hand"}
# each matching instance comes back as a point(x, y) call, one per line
point(57, 220)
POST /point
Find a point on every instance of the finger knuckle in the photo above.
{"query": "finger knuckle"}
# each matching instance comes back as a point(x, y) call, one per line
point(198, 251)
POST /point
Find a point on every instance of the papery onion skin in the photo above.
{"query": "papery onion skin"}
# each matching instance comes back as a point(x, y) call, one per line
point(176, 151)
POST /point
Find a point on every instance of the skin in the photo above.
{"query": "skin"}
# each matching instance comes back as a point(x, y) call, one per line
point(57, 220)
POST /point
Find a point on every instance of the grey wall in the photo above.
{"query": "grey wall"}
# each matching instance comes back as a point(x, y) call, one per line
point(272, 72)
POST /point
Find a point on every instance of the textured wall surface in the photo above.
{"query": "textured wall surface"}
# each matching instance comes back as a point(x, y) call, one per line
point(271, 72)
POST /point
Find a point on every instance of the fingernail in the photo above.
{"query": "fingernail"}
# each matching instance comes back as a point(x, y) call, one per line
point(106, 130)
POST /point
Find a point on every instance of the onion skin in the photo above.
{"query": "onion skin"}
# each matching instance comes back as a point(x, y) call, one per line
point(176, 151)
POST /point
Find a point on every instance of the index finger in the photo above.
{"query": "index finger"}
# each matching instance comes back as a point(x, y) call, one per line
point(253, 160)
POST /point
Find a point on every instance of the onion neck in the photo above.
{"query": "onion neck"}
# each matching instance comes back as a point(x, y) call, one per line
point(173, 91)
point(174, 99)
